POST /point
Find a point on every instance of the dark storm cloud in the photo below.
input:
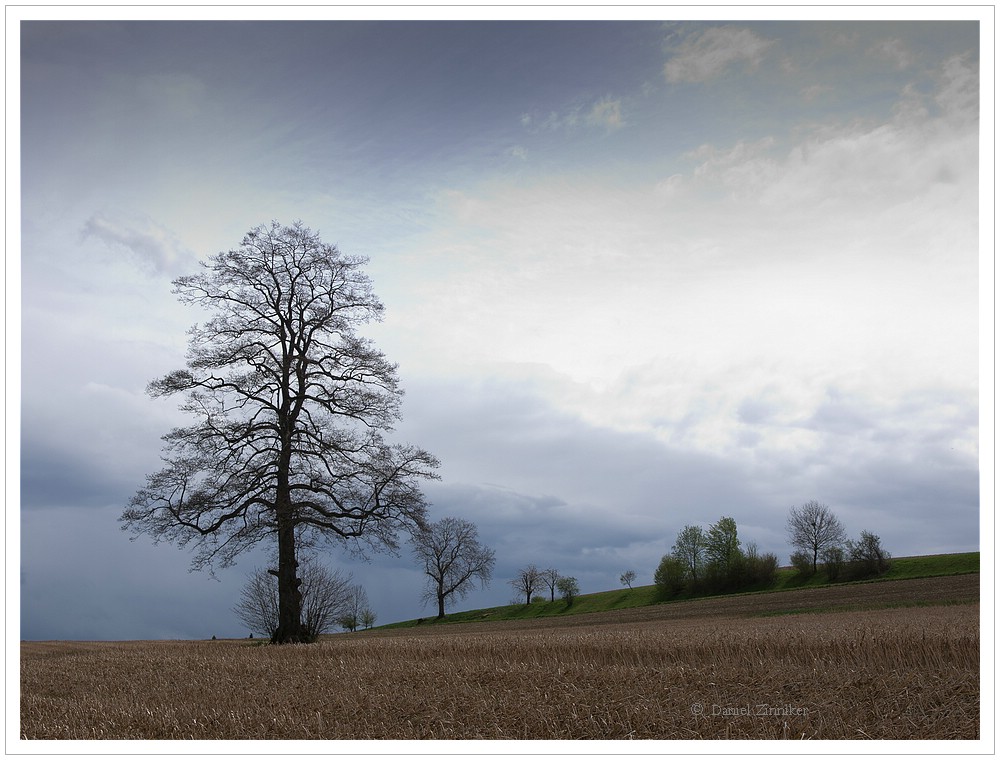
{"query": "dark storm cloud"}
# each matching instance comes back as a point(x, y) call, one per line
point(82, 578)
point(543, 482)
point(61, 475)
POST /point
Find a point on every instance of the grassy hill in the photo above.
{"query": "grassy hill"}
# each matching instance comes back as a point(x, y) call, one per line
point(640, 596)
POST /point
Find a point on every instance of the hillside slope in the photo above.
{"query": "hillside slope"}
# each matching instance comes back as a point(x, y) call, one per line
point(941, 590)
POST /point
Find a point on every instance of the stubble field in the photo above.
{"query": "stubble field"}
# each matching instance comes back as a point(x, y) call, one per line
point(709, 669)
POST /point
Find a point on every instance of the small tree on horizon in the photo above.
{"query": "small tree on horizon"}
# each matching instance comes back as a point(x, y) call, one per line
point(354, 608)
point(569, 589)
point(627, 578)
point(368, 617)
point(526, 581)
point(813, 528)
point(550, 578)
point(453, 560)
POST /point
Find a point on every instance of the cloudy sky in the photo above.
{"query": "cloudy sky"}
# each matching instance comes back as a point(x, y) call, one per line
point(638, 275)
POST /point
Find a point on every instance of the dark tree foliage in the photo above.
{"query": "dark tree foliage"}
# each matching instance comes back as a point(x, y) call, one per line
point(670, 576)
point(291, 406)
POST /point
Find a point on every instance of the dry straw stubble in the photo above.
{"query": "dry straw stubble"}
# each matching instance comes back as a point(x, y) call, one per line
point(892, 674)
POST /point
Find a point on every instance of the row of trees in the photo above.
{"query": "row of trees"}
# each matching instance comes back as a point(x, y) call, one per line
point(713, 560)
point(530, 578)
point(821, 542)
point(450, 555)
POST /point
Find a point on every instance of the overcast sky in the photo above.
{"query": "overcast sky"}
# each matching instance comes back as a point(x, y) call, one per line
point(637, 275)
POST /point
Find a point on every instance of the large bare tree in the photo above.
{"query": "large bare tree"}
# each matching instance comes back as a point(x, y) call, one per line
point(452, 559)
point(291, 407)
point(814, 528)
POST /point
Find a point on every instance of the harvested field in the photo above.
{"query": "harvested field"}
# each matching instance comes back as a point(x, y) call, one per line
point(894, 673)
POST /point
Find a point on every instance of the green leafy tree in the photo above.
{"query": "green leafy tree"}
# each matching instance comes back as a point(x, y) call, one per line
point(569, 589)
point(669, 577)
point(722, 550)
point(689, 549)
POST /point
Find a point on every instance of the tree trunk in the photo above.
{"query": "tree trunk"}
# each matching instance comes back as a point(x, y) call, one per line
point(440, 606)
point(290, 629)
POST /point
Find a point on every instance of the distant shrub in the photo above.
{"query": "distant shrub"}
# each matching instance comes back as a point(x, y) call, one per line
point(833, 563)
point(866, 557)
point(759, 569)
point(802, 564)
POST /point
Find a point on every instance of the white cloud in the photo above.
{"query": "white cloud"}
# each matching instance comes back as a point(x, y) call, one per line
point(742, 168)
point(708, 55)
point(770, 270)
point(602, 113)
point(606, 113)
point(894, 51)
point(150, 243)
point(958, 96)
